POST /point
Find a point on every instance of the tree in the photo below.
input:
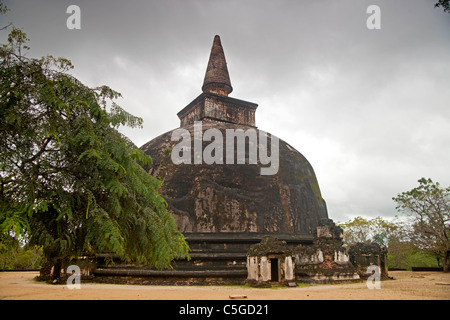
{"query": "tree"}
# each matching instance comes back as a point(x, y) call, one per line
point(445, 4)
point(69, 181)
point(356, 230)
point(362, 230)
point(428, 206)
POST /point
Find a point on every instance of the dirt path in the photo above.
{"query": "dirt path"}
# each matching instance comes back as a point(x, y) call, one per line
point(408, 285)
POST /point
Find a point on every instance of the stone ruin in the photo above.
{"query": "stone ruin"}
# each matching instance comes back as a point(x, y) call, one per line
point(270, 261)
point(363, 255)
point(325, 260)
point(241, 226)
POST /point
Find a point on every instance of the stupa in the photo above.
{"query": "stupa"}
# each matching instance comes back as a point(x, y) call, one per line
point(225, 208)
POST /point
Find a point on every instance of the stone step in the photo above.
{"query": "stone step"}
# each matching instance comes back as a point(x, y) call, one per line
point(169, 273)
point(195, 254)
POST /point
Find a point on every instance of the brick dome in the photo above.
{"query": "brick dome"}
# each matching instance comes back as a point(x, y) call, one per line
point(236, 198)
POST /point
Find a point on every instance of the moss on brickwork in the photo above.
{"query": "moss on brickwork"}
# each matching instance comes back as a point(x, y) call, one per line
point(269, 245)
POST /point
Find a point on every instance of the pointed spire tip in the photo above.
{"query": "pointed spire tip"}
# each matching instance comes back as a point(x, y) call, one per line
point(217, 79)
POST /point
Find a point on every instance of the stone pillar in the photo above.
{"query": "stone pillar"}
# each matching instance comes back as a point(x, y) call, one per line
point(288, 269)
point(265, 269)
point(252, 268)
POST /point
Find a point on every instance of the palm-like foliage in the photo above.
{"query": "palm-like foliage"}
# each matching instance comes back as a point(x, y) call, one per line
point(69, 180)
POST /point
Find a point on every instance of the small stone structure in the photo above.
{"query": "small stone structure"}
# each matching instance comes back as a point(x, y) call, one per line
point(327, 259)
point(270, 260)
point(363, 255)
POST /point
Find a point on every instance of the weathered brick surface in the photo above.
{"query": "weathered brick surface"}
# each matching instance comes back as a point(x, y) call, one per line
point(236, 197)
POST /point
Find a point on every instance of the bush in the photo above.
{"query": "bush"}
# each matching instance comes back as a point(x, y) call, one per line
point(404, 255)
point(15, 257)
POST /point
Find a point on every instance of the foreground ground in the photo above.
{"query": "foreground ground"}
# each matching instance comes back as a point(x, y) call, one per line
point(408, 285)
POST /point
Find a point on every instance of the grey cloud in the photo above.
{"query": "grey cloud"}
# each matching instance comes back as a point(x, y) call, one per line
point(369, 109)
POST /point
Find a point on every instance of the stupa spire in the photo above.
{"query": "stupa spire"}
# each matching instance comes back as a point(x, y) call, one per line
point(217, 79)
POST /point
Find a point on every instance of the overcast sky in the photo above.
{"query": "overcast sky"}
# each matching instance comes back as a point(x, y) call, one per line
point(369, 109)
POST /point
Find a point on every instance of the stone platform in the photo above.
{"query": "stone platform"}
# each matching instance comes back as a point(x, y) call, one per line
point(215, 258)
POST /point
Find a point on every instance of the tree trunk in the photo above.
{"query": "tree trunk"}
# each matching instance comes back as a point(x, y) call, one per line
point(446, 261)
point(46, 270)
point(51, 269)
point(56, 269)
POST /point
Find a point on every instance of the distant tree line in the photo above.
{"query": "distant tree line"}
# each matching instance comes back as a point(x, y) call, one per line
point(17, 256)
point(421, 238)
